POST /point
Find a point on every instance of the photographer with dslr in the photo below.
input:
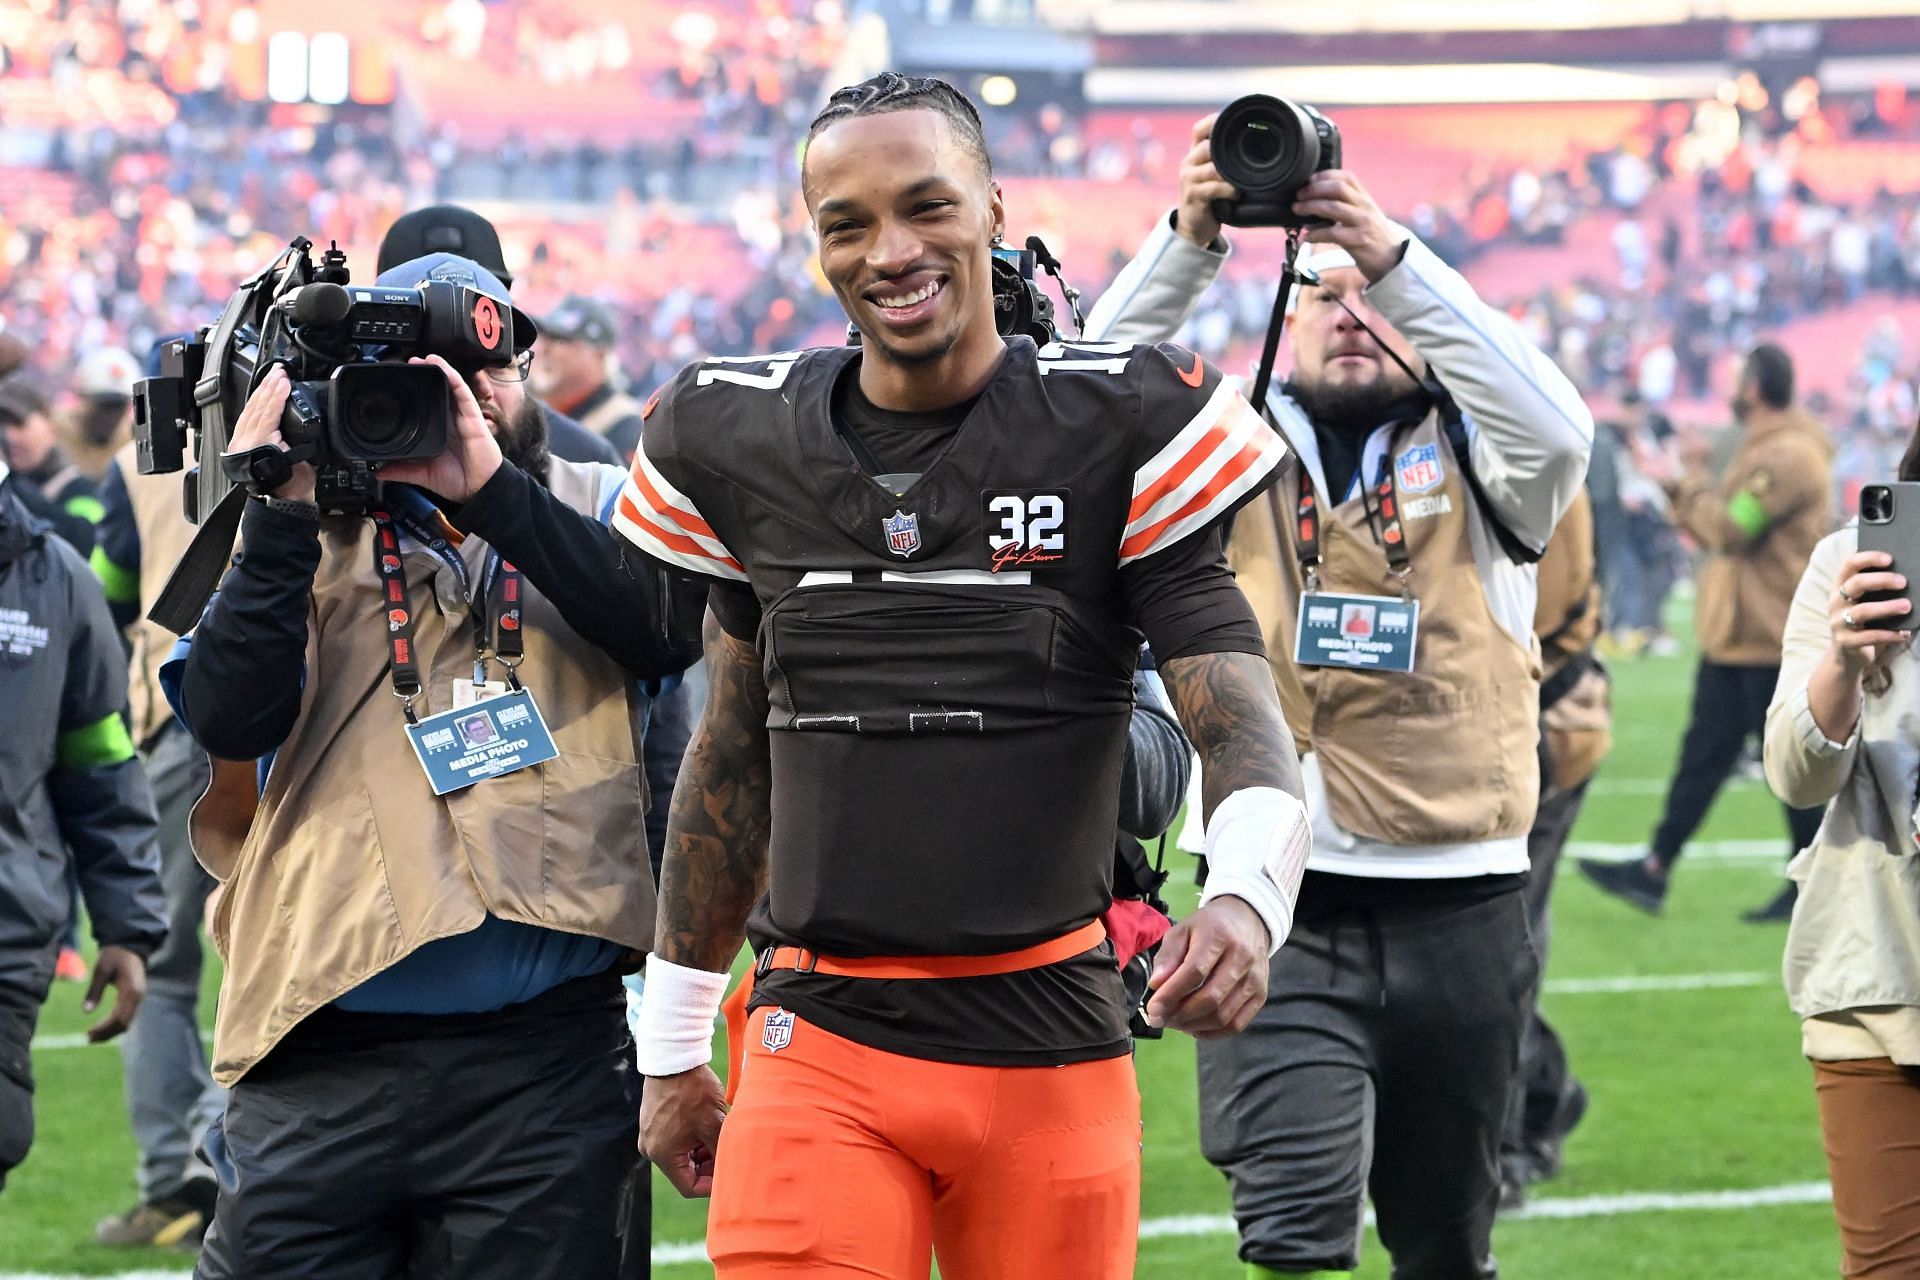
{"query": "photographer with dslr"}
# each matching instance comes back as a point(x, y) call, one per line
point(1432, 453)
point(424, 920)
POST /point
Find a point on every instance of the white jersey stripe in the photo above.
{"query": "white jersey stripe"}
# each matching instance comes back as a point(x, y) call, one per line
point(655, 498)
point(1164, 463)
point(631, 523)
point(1233, 467)
point(1244, 427)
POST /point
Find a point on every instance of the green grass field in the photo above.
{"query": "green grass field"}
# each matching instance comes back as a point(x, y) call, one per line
point(1696, 1090)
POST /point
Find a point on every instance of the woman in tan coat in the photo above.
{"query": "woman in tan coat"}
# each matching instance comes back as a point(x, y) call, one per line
point(1844, 730)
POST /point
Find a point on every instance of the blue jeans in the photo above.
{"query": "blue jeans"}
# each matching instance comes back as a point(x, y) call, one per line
point(171, 1097)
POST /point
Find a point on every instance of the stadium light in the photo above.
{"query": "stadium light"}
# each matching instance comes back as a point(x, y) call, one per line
point(999, 91)
point(327, 69)
point(287, 66)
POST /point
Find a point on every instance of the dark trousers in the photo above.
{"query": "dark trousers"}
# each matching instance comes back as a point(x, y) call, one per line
point(1542, 1081)
point(19, 1014)
point(379, 1146)
point(1729, 705)
point(1380, 1064)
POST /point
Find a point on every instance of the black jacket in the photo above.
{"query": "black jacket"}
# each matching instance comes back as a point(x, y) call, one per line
point(69, 779)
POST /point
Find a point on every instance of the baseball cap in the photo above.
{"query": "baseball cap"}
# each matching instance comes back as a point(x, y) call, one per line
point(581, 319)
point(444, 228)
point(457, 270)
point(107, 374)
point(20, 399)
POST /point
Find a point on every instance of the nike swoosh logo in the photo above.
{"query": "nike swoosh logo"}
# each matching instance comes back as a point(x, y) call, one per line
point(1191, 376)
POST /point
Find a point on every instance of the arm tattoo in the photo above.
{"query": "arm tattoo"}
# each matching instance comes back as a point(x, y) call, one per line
point(1227, 704)
point(715, 867)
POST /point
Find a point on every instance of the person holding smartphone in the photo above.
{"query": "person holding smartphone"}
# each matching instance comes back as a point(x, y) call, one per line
point(1843, 731)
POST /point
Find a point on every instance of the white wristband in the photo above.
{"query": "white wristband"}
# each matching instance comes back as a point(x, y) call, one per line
point(674, 1029)
point(1257, 846)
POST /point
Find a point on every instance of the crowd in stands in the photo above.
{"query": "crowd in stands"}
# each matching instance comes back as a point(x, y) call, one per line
point(1641, 246)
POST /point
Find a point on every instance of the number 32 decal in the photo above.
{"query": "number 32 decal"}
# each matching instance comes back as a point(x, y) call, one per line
point(1026, 528)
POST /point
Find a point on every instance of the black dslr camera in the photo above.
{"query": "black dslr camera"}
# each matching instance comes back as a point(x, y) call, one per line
point(1269, 147)
point(356, 404)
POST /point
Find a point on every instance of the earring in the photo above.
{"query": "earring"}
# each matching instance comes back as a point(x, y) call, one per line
point(999, 241)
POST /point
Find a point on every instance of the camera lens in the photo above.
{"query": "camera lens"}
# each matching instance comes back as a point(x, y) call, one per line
point(1259, 143)
point(388, 412)
point(1264, 145)
point(1876, 504)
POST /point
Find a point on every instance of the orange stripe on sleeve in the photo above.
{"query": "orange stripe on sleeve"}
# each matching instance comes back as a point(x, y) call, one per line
point(1236, 467)
point(685, 519)
point(1189, 462)
point(669, 539)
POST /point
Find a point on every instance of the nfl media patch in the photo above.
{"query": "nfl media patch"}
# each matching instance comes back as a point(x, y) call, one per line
point(778, 1032)
point(1417, 469)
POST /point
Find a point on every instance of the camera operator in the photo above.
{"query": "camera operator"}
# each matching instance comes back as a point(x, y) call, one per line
point(449, 228)
point(421, 1021)
point(1383, 1056)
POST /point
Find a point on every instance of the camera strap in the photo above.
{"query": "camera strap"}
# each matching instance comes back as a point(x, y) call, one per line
point(403, 665)
point(496, 631)
point(1383, 509)
point(192, 583)
point(1270, 351)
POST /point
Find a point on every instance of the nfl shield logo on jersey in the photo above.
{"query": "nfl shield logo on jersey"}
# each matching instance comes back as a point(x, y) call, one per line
point(903, 532)
point(779, 1030)
point(1418, 468)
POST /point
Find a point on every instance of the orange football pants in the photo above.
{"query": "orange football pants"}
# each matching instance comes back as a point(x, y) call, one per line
point(840, 1160)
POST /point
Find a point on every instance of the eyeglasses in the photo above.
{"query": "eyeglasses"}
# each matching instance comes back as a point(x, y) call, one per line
point(515, 372)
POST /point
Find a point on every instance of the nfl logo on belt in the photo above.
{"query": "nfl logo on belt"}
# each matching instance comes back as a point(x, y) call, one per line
point(779, 1030)
point(1418, 468)
point(903, 532)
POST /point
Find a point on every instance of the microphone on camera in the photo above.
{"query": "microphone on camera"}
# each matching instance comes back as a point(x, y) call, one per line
point(322, 304)
point(1051, 265)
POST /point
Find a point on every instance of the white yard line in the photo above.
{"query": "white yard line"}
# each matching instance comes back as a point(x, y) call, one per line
point(1201, 1224)
point(1658, 982)
point(1700, 851)
point(1555, 987)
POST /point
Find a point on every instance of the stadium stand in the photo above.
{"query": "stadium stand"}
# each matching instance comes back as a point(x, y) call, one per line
point(647, 152)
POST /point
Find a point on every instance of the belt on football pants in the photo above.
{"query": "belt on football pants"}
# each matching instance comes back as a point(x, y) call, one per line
point(1052, 951)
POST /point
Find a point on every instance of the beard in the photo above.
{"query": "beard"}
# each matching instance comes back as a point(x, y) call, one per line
point(1355, 409)
point(523, 438)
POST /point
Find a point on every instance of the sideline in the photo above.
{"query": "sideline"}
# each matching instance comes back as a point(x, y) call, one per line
point(1551, 1207)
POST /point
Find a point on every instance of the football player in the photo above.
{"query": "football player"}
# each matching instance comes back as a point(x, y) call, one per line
point(936, 554)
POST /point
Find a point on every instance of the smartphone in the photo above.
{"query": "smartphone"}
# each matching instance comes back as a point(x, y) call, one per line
point(1890, 522)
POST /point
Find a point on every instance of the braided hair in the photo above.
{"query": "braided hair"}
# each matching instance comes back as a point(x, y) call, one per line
point(891, 91)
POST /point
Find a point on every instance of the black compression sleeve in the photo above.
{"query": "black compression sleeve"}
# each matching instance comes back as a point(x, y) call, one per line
point(646, 619)
point(736, 609)
point(1185, 601)
point(241, 686)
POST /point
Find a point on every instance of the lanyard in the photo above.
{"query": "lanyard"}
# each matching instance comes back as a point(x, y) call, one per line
point(1383, 509)
point(496, 633)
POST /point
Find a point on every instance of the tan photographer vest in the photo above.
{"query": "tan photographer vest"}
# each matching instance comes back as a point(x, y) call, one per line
point(351, 863)
point(1445, 754)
